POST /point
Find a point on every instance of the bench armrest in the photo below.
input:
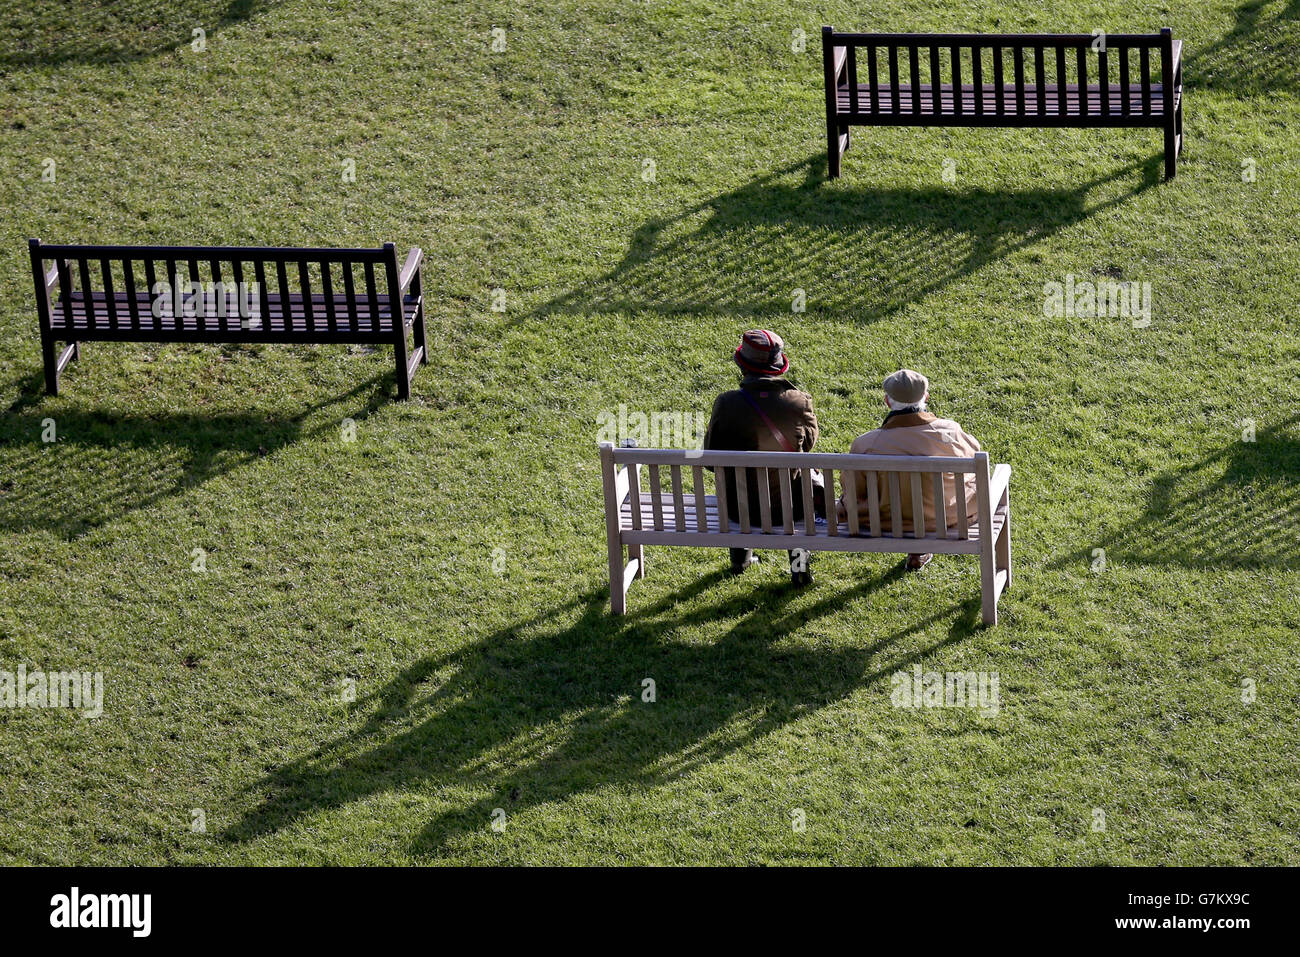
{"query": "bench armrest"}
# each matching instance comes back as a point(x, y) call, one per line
point(1177, 58)
point(412, 269)
point(841, 60)
point(998, 484)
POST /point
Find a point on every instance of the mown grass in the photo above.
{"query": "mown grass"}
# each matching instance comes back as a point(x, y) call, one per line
point(449, 563)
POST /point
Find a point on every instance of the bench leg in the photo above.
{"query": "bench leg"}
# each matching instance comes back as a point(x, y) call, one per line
point(1003, 552)
point(1171, 151)
point(636, 553)
point(988, 583)
point(832, 150)
point(617, 591)
point(403, 370)
point(417, 290)
point(51, 363)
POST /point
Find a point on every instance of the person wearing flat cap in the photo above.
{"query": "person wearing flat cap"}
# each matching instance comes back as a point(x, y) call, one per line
point(910, 429)
point(766, 414)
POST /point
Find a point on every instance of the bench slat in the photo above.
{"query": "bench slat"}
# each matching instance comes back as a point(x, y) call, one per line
point(720, 480)
point(1144, 65)
point(809, 509)
point(1081, 60)
point(263, 294)
point(656, 498)
point(893, 78)
point(1061, 80)
point(701, 499)
point(349, 285)
point(132, 305)
point(327, 286)
point(895, 505)
point(977, 78)
point(150, 276)
point(1124, 81)
point(956, 79)
point(200, 315)
point(742, 498)
point(787, 501)
point(1040, 82)
point(237, 275)
point(371, 295)
point(1103, 81)
point(940, 506)
point(634, 493)
point(304, 283)
point(65, 284)
point(915, 72)
point(1018, 64)
point(764, 499)
point(679, 504)
point(110, 300)
point(999, 86)
point(936, 81)
point(963, 530)
point(852, 53)
point(282, 283)
point(874, 79)
point(849, 484)
point(918, 507)
point(873, 503)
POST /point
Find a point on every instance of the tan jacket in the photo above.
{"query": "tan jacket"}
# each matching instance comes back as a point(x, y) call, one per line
point(913, 433)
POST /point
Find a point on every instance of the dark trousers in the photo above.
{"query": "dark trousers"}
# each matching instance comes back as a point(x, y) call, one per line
point(740, 555)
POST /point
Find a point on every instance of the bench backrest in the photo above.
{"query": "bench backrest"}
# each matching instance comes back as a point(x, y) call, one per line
point(311, 291)
point(899, 65)
point(666, 504)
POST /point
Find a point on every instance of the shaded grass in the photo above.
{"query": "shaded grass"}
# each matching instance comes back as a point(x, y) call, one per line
point(449, 562)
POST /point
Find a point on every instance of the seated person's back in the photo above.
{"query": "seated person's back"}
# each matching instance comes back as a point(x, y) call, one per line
point(766, 414)
point(910, 429)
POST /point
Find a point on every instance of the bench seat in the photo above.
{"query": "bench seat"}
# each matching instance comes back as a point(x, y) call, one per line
point(353, 316)
point(820, 540)
point(1051, 107)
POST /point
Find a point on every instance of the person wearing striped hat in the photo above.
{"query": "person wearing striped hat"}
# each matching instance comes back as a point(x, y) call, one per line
point(765, 414)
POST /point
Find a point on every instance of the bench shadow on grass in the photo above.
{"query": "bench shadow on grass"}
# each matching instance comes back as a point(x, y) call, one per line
point(531, 715)
point(105, 464)
point(1237, 508)
point(1260, 54)
point(56, 32)
point(857, 251)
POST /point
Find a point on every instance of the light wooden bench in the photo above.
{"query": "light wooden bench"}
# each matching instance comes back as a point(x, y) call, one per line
point(663, 511)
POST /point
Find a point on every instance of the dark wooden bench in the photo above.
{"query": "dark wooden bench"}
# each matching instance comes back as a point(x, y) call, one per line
point(940, 79)
point(128, 293)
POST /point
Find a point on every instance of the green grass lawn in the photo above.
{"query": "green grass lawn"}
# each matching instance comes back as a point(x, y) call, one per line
point(449, 564)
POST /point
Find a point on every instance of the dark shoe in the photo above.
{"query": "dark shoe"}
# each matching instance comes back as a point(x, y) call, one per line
point(801, 579)
point(749, 559)
point(916, 562)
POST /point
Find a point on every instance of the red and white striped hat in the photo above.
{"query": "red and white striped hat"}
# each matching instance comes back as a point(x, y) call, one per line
point(761, 352)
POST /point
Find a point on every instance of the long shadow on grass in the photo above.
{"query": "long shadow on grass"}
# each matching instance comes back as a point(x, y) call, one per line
point(1237, 508)
point(855, 251)
point(1258, 55)
point(551, 707)
point(56, 32)
point(71, 471)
